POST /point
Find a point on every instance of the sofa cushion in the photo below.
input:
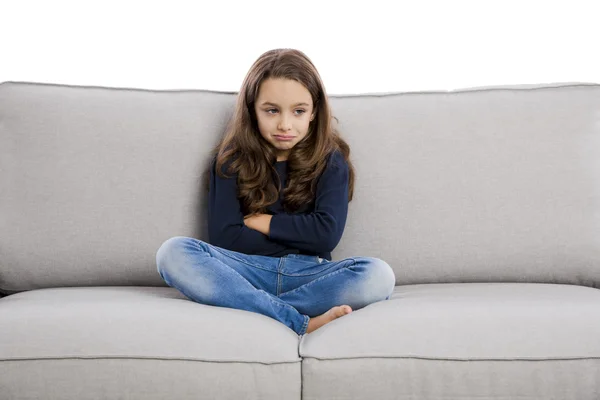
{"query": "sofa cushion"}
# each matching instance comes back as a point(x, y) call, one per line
point(485, 185)
point(132, 339)
point(96, 179)
point(494, 184)
point(492, 340)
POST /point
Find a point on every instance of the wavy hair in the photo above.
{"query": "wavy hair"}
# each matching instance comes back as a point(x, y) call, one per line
point(252, 157)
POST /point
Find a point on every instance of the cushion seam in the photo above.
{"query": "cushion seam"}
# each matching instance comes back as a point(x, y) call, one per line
point(146, 358)
point(456, 358)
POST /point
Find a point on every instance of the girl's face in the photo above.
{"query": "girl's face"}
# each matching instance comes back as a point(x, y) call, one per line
point(284, 110)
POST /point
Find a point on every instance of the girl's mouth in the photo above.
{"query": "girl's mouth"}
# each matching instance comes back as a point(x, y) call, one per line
point(283, 138)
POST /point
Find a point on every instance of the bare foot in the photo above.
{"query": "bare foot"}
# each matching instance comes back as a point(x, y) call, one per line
point(334, 313)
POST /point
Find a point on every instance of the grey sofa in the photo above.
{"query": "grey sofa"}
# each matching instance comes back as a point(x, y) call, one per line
point(485, 202)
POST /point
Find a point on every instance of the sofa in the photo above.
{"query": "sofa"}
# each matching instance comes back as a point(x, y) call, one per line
point(485, 202)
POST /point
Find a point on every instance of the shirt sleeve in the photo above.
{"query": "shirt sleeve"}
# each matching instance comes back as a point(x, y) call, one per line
point(321, 230)
point(226, 227)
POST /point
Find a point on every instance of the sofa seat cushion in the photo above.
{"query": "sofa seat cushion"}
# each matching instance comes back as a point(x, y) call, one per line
point(467, 340)
point(61, 342)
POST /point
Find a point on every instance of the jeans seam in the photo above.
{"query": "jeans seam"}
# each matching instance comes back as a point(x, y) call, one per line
point(279, 268)
point(304, 325)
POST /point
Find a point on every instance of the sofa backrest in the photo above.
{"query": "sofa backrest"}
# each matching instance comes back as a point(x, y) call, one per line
point(491, 184)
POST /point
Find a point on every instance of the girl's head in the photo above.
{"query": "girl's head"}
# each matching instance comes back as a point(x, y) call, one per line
point(284, 111)
point(282, 114)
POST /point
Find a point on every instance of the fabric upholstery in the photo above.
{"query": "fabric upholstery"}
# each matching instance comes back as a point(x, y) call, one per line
point(461, 341)
point(497, 184)
point(140, 342)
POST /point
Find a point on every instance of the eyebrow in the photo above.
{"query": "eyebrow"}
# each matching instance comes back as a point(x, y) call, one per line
point(267, 103)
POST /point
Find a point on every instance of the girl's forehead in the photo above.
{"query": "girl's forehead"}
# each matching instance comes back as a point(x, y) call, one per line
point(283, 92)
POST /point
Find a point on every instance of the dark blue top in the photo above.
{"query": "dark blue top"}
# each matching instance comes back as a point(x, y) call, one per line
point(315, 229)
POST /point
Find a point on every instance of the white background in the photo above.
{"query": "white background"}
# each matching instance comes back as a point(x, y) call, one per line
point(358, 47)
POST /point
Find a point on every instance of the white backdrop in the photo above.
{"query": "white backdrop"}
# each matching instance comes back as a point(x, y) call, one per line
point(358, 47)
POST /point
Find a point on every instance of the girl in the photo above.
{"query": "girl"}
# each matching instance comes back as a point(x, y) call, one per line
point(280, 183)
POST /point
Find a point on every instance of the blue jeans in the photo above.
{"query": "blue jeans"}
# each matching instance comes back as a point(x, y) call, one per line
point(290, 289)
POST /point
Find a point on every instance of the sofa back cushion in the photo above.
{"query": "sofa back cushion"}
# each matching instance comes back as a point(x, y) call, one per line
point(491, 184)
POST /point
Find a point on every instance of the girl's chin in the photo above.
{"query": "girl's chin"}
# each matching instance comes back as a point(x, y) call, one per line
point(283, 145)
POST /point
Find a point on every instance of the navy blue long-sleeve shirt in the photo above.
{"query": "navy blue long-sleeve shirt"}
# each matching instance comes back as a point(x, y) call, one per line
point(315, 229)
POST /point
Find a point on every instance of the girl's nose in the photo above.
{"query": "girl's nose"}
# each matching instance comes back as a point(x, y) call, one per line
point(285, 123)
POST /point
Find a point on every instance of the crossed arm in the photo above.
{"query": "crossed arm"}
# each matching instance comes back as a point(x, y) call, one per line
point(315, 232)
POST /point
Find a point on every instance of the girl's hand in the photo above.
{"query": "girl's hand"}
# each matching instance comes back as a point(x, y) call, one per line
point(258, 222)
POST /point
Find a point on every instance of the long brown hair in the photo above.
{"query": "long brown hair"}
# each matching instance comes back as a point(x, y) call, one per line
point(252, 157)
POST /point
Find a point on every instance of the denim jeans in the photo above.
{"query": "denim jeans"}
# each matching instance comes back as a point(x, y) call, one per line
point(290, 289)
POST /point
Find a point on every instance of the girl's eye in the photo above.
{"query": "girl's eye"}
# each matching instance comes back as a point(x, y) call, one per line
point(274, 109)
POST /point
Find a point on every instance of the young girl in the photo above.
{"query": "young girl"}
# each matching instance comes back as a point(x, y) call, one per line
point(280, 183)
